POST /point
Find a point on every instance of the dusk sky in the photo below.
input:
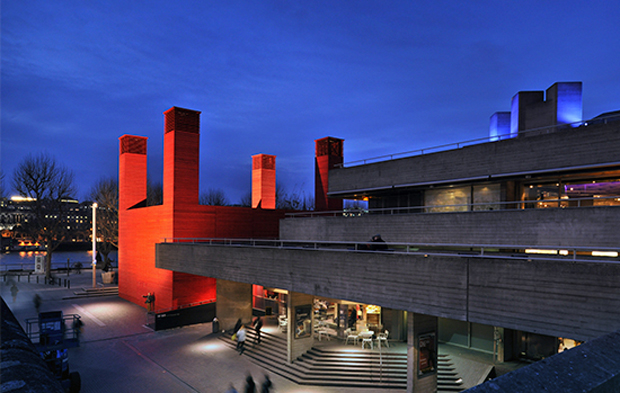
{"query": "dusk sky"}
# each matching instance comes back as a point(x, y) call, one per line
point(272, 76)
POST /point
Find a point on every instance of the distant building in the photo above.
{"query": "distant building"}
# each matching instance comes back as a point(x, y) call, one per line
point(16, 212)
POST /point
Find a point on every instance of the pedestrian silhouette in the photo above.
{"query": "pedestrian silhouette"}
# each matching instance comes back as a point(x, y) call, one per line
point(250, 386)
point(258, 325)
point(14, 291)
point(266, 385)
point(37, 302)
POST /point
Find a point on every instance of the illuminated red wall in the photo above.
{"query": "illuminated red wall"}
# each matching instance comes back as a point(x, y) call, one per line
point(141, 227)
point(328, 154)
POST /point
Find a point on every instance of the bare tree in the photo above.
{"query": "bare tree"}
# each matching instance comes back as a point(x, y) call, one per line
point(293, 200)
point(105, 193)
point(246, 200)
point(2, 189)
point(214, 197)
point(48, 184)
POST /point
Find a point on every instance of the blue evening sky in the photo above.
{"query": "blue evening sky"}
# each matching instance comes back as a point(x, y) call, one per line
point(273, 76)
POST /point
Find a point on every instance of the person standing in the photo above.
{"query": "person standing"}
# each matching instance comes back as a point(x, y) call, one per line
point(258, 325)
point(241, 340)
point(14, 291)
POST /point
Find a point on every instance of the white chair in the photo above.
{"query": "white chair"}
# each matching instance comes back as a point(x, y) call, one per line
point(322, 332)
point(383, 337)
point(349, 334)
point(283, 322)
point(367, 339)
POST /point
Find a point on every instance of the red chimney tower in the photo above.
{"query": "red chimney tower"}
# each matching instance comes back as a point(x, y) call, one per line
point(132, 171)
point(181, 156)
point(264, 181)
point(328, 155)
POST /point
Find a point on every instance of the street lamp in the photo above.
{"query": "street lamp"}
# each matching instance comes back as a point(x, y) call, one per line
point(95, 245)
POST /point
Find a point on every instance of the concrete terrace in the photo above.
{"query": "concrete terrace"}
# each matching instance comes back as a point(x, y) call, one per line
point(120, 353)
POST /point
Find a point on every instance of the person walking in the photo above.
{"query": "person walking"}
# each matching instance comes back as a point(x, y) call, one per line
point(77, 328)
point(266, 387)
point(250, 386)
point(241, 340)
point(14, 291)
point(258, 325)
point(237, 326)
point(37, 302)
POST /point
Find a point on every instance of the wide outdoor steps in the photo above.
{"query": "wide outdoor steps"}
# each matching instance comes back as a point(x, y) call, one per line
point(93, 292)
point(328, 366)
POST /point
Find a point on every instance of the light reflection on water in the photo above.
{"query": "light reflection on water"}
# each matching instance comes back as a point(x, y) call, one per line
point(25, 259)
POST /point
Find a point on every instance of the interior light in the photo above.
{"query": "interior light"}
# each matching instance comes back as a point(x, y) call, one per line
point(610, 254)
point(539, 251)
point(564, 252)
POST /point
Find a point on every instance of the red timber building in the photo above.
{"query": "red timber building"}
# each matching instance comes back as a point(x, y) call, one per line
point(180, 215)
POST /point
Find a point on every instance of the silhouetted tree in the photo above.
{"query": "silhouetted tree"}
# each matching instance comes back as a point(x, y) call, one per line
point(294, 200)
point(246, 200)
point(213, 197)
point(2, 189)
point(48, 184)
point(105, 193)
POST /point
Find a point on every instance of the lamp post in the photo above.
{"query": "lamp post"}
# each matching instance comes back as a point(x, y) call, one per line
point(95, 245)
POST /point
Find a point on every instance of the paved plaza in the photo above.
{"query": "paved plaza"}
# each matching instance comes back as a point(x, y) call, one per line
point(120, 354)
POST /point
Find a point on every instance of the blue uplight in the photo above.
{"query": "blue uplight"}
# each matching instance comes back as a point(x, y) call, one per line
point(499, 126)
point(569, 109)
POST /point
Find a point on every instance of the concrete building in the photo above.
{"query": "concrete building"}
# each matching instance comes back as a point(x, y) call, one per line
point(507, 247)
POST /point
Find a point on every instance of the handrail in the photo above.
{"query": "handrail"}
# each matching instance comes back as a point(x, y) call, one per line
point(458, 145)
point(350, 212)
point(505, 251)
point(162, 310)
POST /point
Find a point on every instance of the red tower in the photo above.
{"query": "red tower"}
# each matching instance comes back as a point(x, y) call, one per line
point(328, 155)
point(180, 215)
point(264, 181)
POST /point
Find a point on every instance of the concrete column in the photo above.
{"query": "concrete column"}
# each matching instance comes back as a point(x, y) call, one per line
point(421, 353)
point(234, 301)
point(297, 346)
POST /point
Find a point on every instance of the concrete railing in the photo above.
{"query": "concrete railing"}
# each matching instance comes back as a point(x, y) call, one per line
point(613, 200)
point(504, 251)
point(458, 145)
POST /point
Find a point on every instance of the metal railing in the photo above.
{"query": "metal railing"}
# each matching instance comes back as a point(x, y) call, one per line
point(458, 145)
point(561, 203)
point(504, 251)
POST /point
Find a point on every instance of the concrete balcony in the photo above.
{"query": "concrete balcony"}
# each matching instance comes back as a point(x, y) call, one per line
point(581, 298)
point(566, 227)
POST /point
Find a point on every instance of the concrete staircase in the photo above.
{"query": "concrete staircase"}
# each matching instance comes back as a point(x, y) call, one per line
point(334, 366)
point(93, 292)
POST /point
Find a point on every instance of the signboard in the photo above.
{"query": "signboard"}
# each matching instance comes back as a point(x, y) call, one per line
point(427, 354)
point(39, 264)
point(303, 321)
